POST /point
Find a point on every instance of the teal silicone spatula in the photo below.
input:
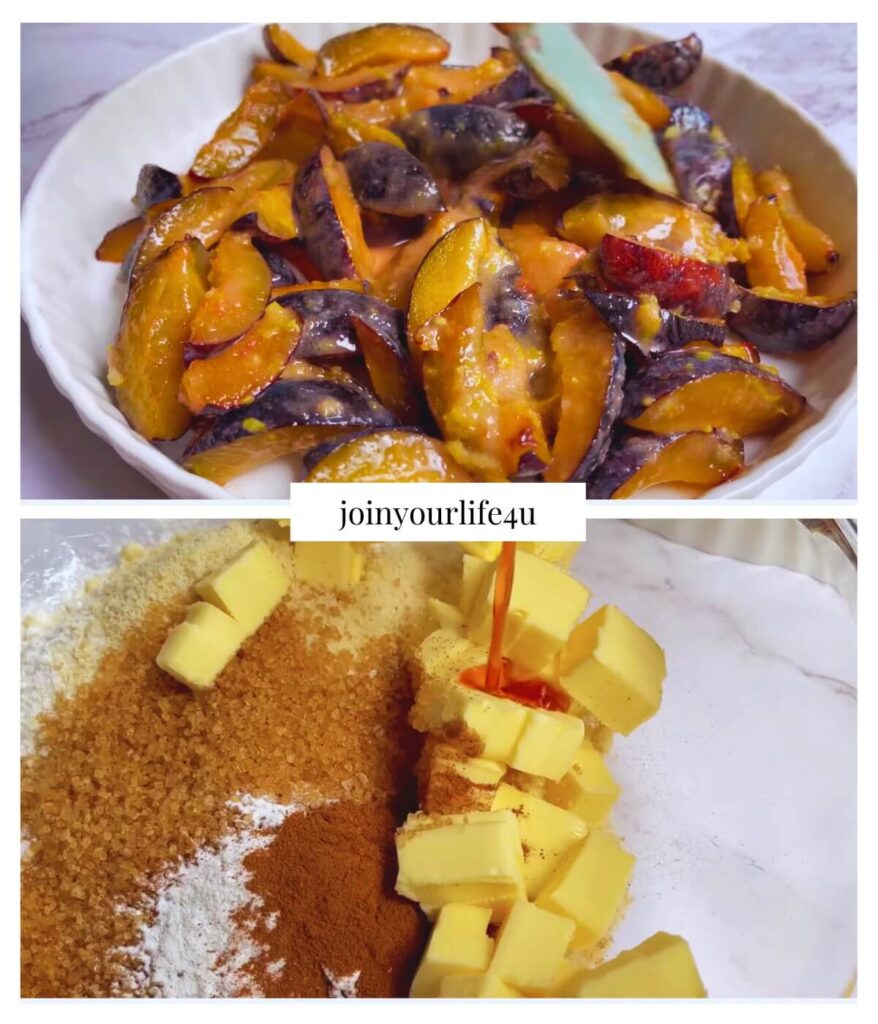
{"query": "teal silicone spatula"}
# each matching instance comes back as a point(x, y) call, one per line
point(560, 61)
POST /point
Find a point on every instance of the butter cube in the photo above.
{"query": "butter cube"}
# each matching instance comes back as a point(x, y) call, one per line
point(336, 565)
point(459, 944)
point(487, 550)
point(249, 588)
point(548, 743)
point(544, 605)
point(481, 724)
point(547, 833)
point(197, 650)
point(452, 783)
point(446, 615)
point(559, 552)
point(474, 573)
point(588, 789)
point(662, 967)
point(471, 858)
point(589, 885)
point(614, 668)
point(476, 986)
point(443, 655)
point(531, 946)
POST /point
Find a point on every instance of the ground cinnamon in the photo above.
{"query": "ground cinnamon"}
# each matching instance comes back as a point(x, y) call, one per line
point(329, 908)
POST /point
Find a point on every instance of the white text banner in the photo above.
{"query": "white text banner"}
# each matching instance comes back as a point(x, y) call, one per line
point(437, 512)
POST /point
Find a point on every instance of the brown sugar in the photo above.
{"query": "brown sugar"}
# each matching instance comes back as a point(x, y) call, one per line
point(132, 772)
point(327, 881)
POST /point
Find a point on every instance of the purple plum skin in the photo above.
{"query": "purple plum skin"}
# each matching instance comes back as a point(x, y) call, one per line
point(388, 179)
point(673, 370)
point(664, 65)
point(618, 311)
point(632, 450)
point(785, 327)
point(327, 331)
point(291, 403)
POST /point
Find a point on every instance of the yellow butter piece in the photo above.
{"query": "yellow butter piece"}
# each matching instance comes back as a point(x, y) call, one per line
point(588, 789)
point(487, 550)
point(336, 565)
point(442, 655)
point(459, 944)
point(662, 967)
point(547, 832)
point(589, 885)
point(474, 572)
point(471, 858)
point(481, 724)
point(476, 986)
point(548, 743)
point(531, 947)
point(446, 615)
point(197, 650)
point(614, 668)
point(560, 552)
point(544, 606)
point(249, 588)
point(452, 783)
point(480, 771)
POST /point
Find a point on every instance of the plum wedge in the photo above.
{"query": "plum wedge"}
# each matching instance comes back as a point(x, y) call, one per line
point(636, 461)
point(682, 284)
point(661, 66)
point(789, 324)
point(652, 329)
point(590, 360)
point(383, 456)
point(700, 389)
point(289, 416)
point(147, 357)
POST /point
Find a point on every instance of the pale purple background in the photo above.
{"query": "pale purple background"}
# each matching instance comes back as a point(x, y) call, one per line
point(66, 68)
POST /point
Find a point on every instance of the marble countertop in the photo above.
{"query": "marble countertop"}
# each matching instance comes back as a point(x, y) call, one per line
point(723, 802)
point(67, 68)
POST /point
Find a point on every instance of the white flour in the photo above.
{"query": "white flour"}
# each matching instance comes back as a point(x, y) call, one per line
point(341, 986)
point(192, 946)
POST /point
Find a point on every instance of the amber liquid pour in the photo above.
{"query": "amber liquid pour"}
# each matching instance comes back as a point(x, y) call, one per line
point(493, 677)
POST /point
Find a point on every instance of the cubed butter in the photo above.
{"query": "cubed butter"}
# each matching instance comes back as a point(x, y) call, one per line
point(452, 783)
point(473, 574)
point(476, 986)
point(445, 615)
point(589, 885)
point(249, 588)
point(531, 947)
point(481, 724)
point(662, 967)
point(544, 606)
point(487, 550)
point(459, 944)
point(548, 743)
point(547, 833)
point(471, 858)
point(197, 650)
point(614, 668)
point(335, 565)
point(588, 789)
point(443, 655)
point(559, 552)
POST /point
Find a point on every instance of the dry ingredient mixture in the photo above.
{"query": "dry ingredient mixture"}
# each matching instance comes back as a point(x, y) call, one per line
point(162, 829)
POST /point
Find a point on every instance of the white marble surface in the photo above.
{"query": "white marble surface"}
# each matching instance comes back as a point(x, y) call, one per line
point(66, 68)
point(739, 797)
